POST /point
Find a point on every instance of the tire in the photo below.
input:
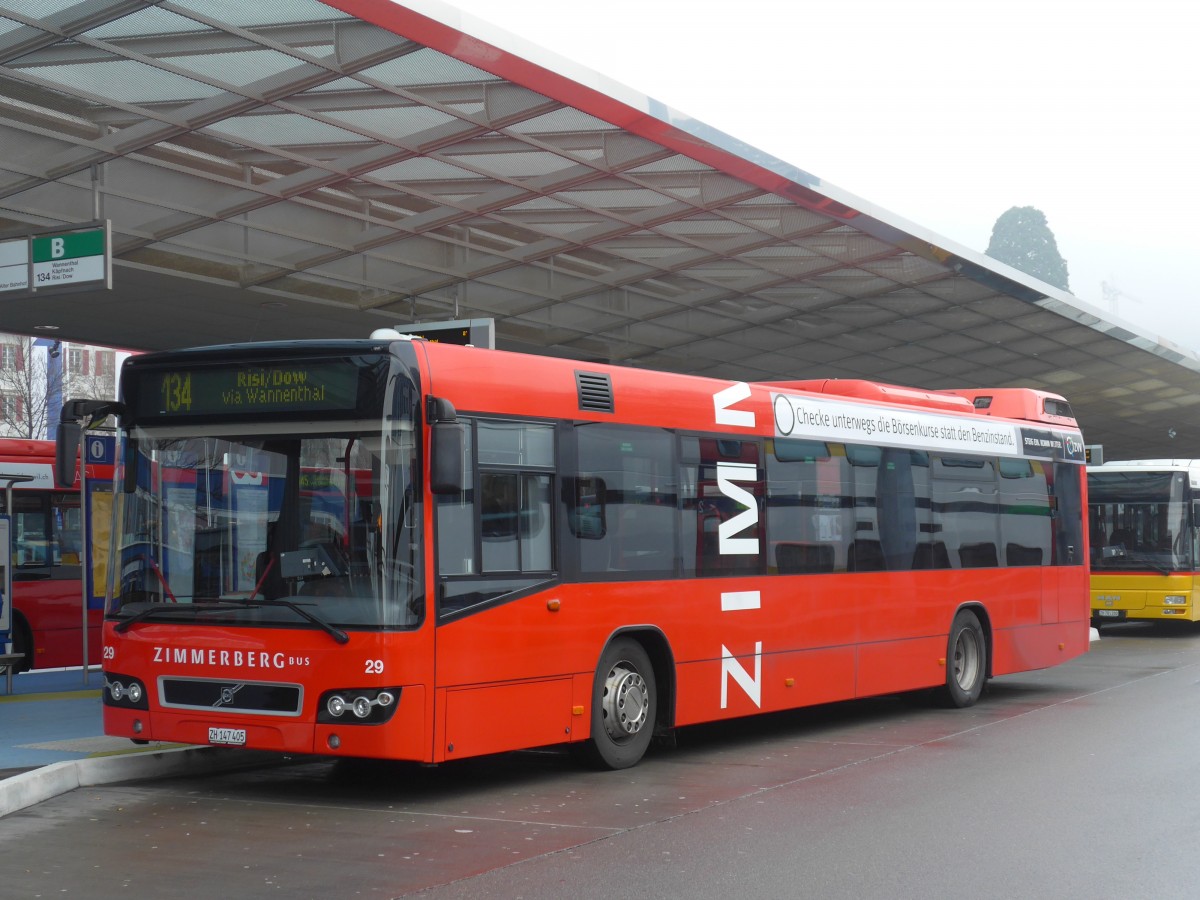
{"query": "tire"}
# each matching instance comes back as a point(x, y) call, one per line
point(624, 707)
point(966, 662)
point(22, 642)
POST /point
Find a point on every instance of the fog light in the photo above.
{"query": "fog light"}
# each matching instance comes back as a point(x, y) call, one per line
point(137, 726)
point(333, 741)
point(362, 707)
point(336, 705)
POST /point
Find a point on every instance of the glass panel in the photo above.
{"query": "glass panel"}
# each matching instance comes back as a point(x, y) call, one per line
point(499, 513)
point(253, 526)
point(1138, 520)
point(515, 444)
point(964, 500)
point(536, 528)
point(1025, 512)
point(456, 522)
point(636, 467)
point(810, 511)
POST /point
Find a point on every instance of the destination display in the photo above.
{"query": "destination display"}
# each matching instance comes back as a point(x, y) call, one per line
point(286, 387)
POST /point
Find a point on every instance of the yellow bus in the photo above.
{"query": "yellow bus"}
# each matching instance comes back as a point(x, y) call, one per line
point(1142, 517)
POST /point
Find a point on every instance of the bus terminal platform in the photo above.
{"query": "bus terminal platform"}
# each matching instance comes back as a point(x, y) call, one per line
point(52, 741)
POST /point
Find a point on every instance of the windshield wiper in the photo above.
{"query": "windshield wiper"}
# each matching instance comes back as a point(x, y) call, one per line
point(1134, 562)
point(151, 611)
point(208, 606)
point(332, 630)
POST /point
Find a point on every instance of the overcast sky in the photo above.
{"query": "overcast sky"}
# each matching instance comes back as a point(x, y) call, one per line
point(945, 112)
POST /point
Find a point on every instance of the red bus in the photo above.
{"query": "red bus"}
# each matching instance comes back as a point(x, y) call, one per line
point(47, 565)
point(513, 551)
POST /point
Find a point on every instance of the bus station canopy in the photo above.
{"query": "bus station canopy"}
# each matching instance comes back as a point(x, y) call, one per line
point(302, 169)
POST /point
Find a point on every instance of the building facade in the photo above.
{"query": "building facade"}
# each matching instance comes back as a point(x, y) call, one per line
point(37, 374)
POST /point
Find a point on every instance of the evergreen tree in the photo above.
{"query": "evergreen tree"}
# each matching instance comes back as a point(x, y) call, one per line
point(1022, 239)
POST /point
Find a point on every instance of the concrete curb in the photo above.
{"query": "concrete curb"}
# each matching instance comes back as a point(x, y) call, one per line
point(29, 788)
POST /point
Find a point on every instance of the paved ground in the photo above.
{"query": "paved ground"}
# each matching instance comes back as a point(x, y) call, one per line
point(54, 716)
point(52, 741)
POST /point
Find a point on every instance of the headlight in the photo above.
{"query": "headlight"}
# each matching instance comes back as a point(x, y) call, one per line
point(123, 691)
point(1175, 600)
point(370, 706)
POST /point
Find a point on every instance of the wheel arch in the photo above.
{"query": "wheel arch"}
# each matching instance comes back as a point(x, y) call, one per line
point(985, 622)
point(662, 657)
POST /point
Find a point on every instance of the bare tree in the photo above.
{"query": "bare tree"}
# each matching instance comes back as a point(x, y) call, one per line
point(24, 388)
point(33, 384)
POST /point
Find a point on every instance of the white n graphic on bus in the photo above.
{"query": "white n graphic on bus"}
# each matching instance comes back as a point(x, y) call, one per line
point(730, 667)
point(728, 542)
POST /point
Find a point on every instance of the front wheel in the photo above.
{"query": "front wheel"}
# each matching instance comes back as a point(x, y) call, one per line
point(966, 662)
point(624, 707)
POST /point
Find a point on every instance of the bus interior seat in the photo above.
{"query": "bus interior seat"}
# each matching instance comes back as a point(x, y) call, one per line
point(1123, 537)
point(272, 585)
point(645, 542)
point(978, 556)
point(931, 556)
point(866, 556)
point(796, 558)
point(1020, 555)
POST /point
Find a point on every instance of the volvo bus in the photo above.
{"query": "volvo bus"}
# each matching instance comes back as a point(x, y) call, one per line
point(48, 563)
point(510, 551)
point(1142, 517)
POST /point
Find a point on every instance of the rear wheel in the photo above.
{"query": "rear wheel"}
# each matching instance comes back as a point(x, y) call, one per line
point(22, 643)
point(966, 662)
point(624, 707)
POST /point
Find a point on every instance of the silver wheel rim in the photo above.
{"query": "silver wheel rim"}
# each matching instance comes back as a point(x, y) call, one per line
point(625, 704)
point(968, 657)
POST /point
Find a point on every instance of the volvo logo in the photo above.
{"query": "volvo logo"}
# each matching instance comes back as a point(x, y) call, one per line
point(227, 692)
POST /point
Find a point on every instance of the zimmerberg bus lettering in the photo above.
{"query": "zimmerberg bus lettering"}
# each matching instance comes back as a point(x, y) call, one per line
point(737, 601)
point(250, 659)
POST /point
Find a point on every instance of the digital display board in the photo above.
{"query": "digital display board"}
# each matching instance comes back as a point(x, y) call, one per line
point(465, 332)
point(238, 389)
point(453, 335)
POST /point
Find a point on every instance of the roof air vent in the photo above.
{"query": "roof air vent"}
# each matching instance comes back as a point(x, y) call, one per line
point(595, 391)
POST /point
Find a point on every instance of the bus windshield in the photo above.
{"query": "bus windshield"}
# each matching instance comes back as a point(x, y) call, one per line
point(1139, 521)
point(315, 527)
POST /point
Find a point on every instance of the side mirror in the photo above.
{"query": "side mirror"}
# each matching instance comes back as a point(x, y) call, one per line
point(76, 416)
point(448, 453)
point(66, 452)
point(447, 447)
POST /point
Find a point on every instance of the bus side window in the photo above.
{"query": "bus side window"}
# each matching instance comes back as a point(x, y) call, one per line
point(31, 531)
point(67, 527)
point(586, 507)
